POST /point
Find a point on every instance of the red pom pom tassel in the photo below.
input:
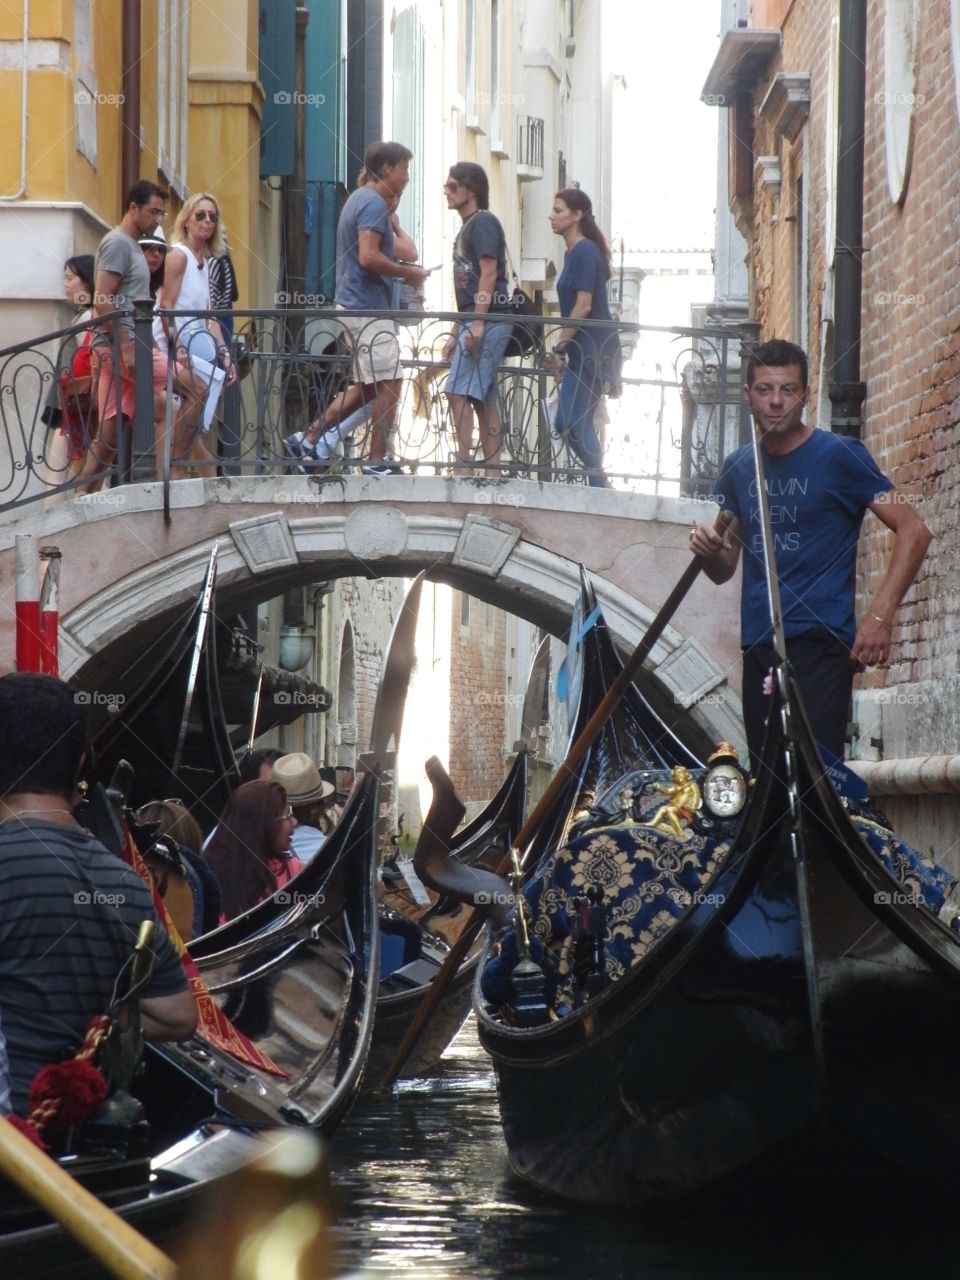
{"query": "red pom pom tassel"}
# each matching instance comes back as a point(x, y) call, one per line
point(65, 1093)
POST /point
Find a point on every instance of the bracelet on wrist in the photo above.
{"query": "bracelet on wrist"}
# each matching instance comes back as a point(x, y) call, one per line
point(887, 622)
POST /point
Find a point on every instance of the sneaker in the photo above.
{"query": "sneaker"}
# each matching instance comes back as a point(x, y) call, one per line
point(310, 458)
point(383, 468)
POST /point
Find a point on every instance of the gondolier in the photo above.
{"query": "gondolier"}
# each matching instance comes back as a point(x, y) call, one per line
point(819, 486)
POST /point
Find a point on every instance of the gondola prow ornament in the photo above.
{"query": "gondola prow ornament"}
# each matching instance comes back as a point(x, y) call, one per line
point(683, 803)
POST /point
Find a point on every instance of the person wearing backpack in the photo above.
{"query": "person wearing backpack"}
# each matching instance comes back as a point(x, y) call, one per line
point(476, 349)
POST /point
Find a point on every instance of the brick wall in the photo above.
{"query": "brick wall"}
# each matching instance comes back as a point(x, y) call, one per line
point(911, 333)
point(478, 695)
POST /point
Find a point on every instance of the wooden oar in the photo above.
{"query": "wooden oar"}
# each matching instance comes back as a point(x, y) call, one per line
point(435, 991)
point(103, 1233)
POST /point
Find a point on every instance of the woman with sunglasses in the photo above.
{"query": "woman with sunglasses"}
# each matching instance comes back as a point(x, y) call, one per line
point(195, 240)
point(249, 852)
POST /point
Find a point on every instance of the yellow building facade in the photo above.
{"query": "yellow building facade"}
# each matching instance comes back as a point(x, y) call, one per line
point(65, 98)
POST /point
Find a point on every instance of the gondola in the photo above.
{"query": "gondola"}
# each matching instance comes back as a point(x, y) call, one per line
point(302, 988)
point(169, 723)
point(761, 1036)
point(297, 976)
point(484, 839)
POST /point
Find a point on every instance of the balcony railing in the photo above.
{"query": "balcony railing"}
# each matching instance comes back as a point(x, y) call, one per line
point(678, 411)
point(529, 146)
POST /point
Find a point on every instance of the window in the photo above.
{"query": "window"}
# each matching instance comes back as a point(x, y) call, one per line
point(172, 56)
point(85, 94)
point(496, 132)
point(464, 609)
point(470, 50)
point(899, 43)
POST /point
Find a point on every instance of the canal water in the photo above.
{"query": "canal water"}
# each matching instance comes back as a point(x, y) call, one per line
point(426, 1193)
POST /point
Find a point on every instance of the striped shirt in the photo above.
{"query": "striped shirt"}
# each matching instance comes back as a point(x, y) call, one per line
point(69, 916)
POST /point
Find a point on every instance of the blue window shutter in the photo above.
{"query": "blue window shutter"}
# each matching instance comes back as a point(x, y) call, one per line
point(277, 37)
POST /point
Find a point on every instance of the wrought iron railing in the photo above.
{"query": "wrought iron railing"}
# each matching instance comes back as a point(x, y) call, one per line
point(678, 412)
point(530, 141)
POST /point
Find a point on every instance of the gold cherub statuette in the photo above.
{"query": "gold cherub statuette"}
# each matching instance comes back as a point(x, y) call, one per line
point(683, 803)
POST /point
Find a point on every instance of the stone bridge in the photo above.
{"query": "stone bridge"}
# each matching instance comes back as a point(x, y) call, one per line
point(515, 543)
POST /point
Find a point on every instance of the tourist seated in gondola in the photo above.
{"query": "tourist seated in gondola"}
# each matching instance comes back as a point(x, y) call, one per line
point(187, 885)
point(258, 764)
point(310, 799)
point(69, 909)
point(249, 851)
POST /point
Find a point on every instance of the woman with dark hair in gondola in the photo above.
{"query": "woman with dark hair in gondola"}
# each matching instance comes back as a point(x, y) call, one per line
point(586, 358)
point(249, 852)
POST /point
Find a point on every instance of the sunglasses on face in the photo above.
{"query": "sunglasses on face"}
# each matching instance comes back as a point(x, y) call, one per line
point(202, 215)
point(451, 186)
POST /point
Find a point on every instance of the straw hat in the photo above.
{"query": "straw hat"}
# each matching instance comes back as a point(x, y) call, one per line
point(300, 778)
point(157, 241)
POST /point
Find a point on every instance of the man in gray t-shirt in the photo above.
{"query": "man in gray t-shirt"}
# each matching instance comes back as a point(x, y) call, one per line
point(121, 277)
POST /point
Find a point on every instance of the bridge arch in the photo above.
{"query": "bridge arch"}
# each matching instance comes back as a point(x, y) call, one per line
point(515, 543)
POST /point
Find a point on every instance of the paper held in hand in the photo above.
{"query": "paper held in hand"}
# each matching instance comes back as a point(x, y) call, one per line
point(213, 377)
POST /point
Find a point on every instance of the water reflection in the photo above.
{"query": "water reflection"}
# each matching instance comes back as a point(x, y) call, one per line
point(427, 1194)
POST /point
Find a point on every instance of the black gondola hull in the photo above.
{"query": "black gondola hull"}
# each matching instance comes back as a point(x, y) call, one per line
point(798, 1032)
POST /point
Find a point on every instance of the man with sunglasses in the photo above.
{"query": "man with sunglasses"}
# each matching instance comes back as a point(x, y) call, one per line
point(121, 277)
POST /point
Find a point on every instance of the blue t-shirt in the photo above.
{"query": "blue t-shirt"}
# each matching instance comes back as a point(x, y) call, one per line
point(359, 290)
point(584, 271)
point(817, 495)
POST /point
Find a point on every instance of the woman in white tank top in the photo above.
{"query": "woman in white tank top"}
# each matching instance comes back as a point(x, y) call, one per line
point(186, 287)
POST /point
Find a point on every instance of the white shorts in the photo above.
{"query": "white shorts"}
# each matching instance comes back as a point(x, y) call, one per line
point(376, 349)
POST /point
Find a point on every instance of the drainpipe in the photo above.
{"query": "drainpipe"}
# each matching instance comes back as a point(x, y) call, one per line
point(130, 88)
point(24, 80)
point(847, 391)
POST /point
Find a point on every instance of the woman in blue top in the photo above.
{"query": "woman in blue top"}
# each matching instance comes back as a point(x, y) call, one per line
point(584, 358)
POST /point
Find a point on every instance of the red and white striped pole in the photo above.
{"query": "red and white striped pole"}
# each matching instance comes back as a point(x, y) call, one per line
point(28, 603)
point(50, 613)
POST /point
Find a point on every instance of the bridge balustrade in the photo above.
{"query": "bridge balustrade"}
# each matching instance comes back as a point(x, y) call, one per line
point(676, 412)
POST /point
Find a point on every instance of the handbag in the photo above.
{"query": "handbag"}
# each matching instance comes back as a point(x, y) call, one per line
point(523, 337)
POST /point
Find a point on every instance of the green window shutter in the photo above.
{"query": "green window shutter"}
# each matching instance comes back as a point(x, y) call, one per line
point(277, 37)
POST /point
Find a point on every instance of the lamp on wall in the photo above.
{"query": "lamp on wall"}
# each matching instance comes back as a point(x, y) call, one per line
point(296, 645)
